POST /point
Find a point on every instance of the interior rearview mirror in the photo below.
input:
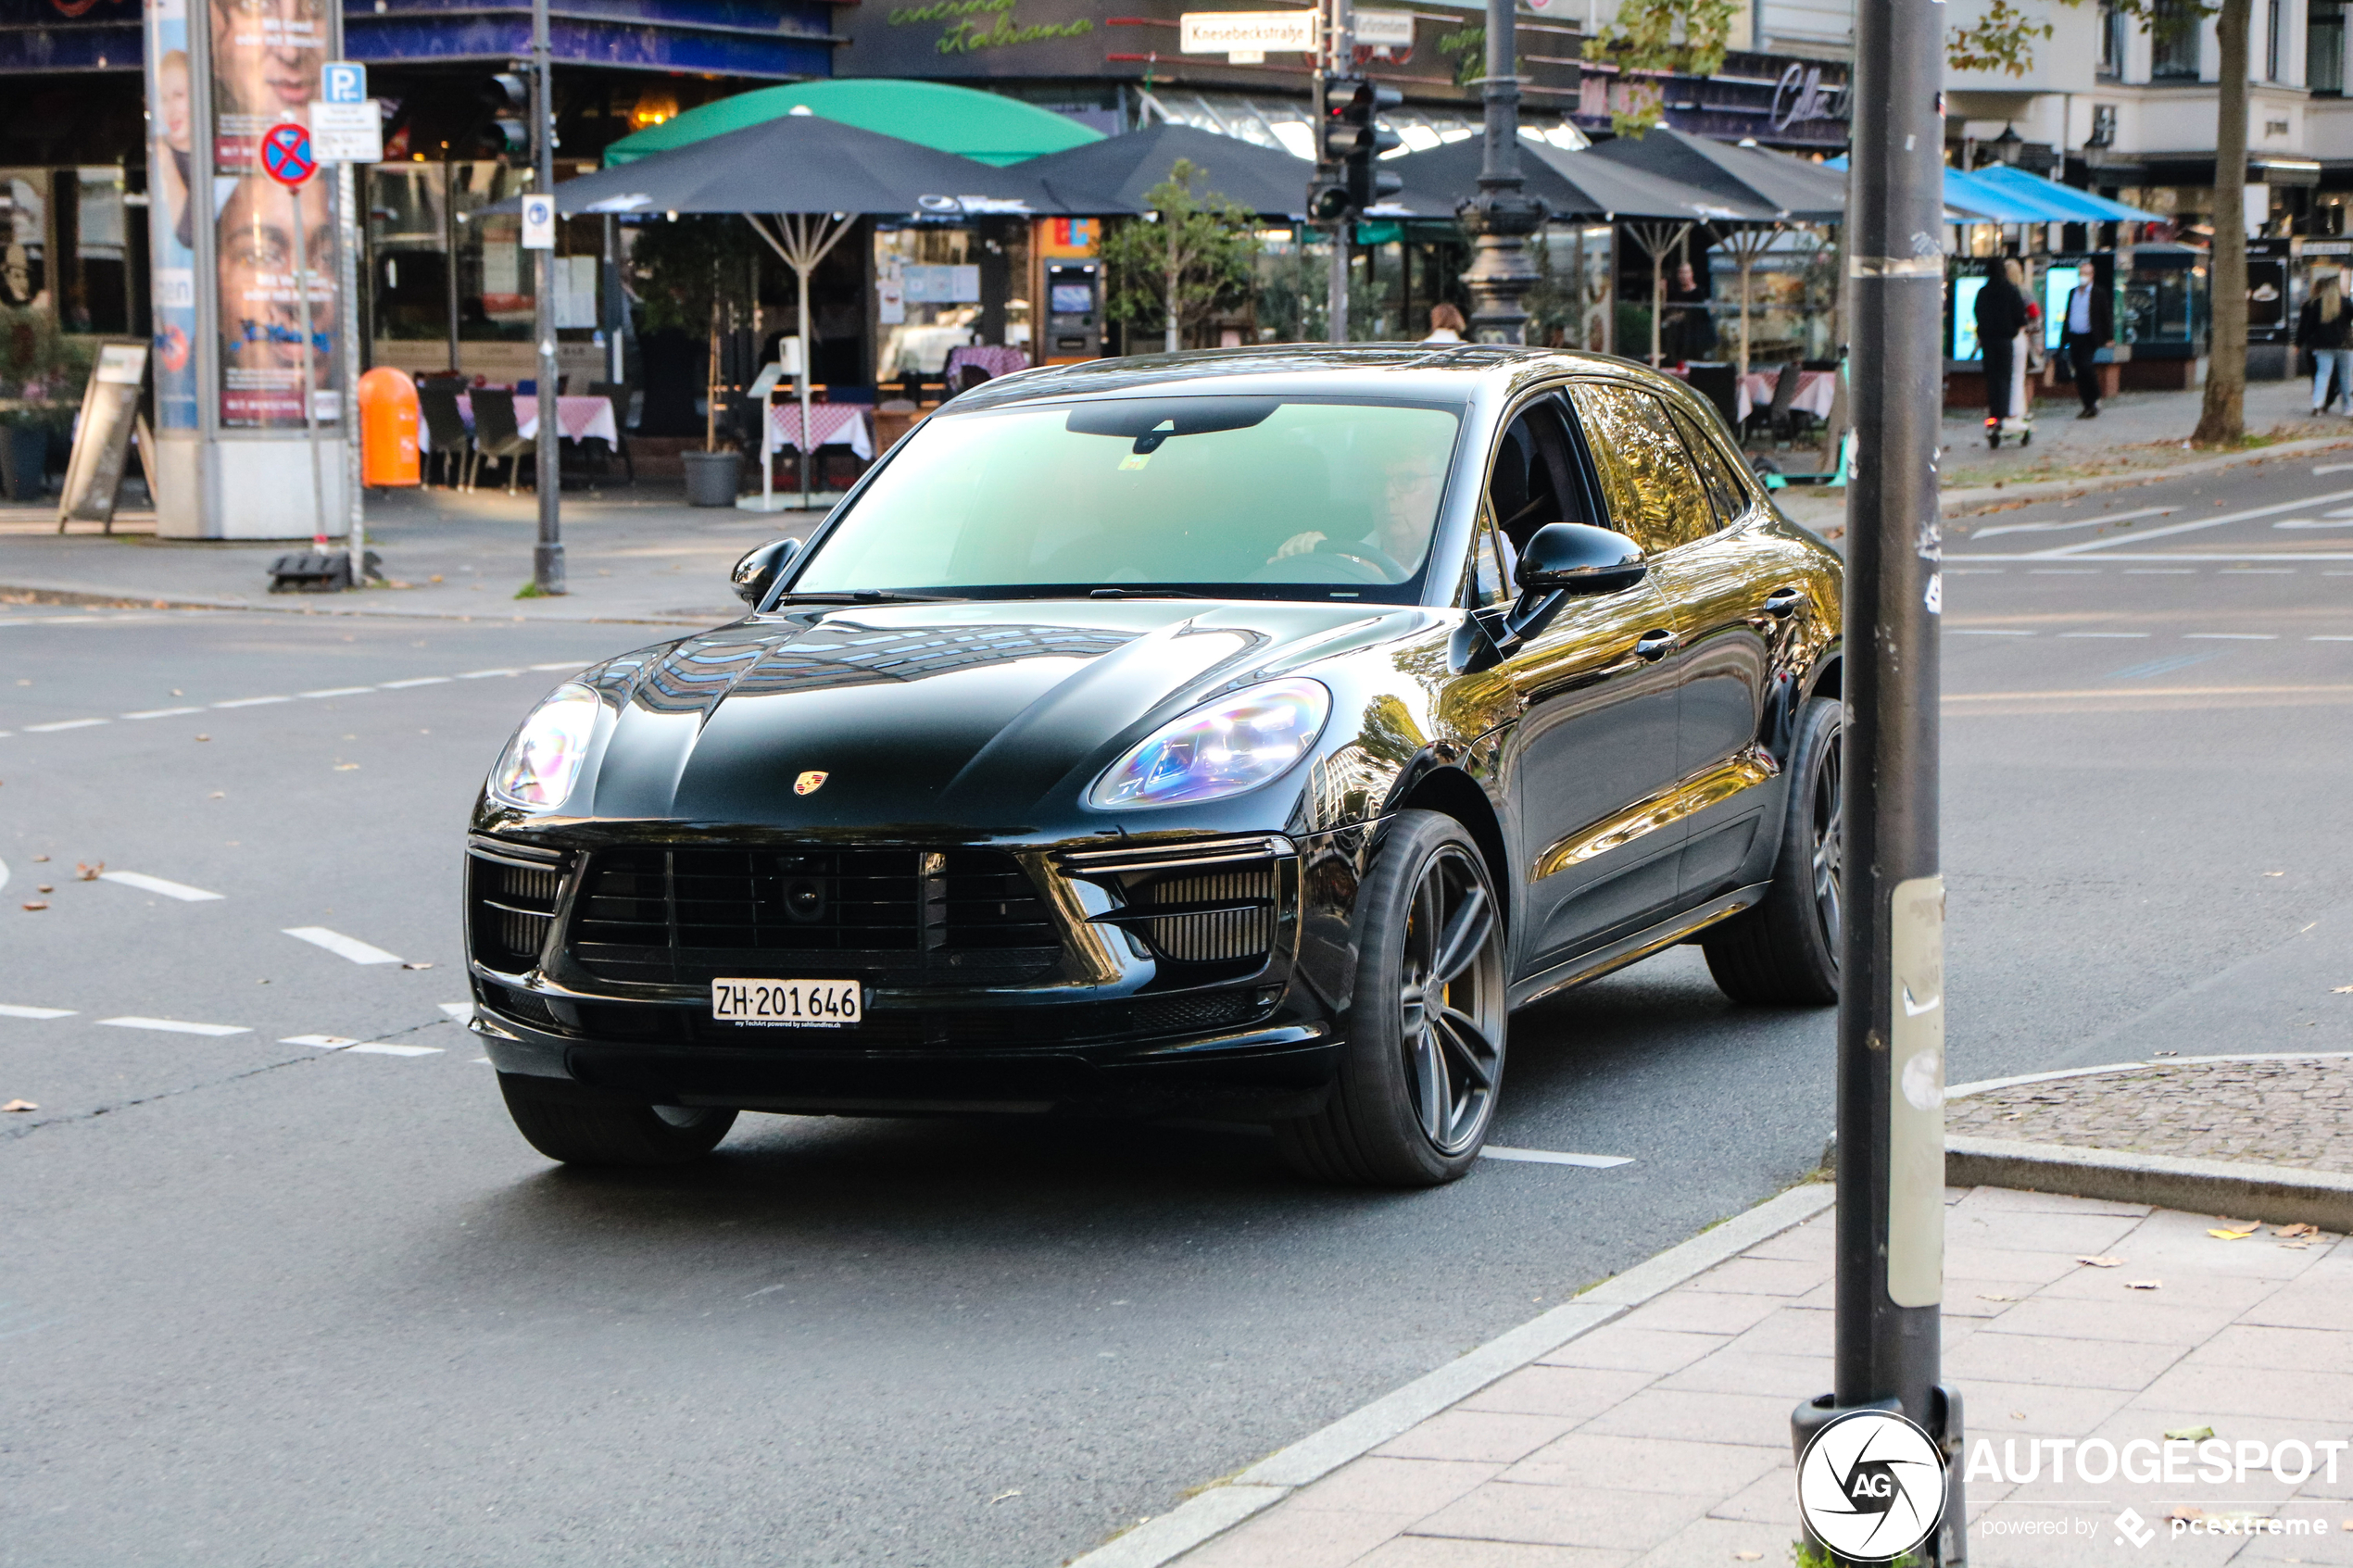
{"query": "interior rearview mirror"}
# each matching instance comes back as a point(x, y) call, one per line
point(1576, 557)
point(758, 571)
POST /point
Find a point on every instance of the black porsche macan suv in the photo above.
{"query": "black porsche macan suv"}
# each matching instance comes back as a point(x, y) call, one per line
point(1239, 734)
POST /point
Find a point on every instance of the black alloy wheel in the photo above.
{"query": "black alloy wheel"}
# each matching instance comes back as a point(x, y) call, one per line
point(1785, 950)
point(1423, 1063)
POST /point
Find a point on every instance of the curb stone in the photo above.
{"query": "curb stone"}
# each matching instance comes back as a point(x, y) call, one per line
point(1956, 501)
point(2278, 1194)
point(1212, 1512)
point(75, 597)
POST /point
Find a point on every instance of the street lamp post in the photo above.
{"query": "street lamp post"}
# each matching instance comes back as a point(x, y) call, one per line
point(1500, 217)
point(1891, 1027)
point(547, 556)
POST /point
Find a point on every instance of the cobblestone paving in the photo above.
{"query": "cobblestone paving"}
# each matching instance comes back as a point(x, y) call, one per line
point(2275, 1112)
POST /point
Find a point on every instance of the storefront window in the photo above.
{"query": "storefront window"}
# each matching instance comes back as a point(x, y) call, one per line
point(94, 271)
point(24, 225)
point(942, 288)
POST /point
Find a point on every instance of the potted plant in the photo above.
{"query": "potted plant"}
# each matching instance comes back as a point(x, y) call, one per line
point(680, 265)
point(41, 379)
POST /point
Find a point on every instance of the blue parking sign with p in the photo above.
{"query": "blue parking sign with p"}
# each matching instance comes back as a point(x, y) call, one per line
point(343, 82)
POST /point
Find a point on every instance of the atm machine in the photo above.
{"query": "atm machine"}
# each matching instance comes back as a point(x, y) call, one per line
point(1073, 312)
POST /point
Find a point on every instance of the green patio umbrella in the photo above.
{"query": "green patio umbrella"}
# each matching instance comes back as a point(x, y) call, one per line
point(987, 127)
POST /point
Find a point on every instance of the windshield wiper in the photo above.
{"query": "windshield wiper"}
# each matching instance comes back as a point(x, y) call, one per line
point(1143, 594)
point(866, 596)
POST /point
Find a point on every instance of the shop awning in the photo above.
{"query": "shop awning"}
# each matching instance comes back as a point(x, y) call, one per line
point(1113, 175)
point(1794, 190)
point(802, 163)
point(2055, 203)
point(1571, 185)
point(988, 127)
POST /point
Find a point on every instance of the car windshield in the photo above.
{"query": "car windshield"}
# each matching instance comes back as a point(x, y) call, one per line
point(1243, 496)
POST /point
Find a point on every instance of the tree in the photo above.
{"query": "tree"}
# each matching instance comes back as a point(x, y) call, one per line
point(1193, 253)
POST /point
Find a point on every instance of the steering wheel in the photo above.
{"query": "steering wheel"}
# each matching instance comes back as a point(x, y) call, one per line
point(1388, 571)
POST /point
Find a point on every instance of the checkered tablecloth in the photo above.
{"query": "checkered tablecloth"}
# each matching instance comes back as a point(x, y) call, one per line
point(834, 424)
point(577, 417)
point(995, 359)
point(1815, 391)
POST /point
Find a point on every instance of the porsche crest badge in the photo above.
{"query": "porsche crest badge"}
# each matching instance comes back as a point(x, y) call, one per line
point(809, 784)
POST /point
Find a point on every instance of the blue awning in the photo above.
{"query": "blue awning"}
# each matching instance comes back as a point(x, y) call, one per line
point(2003, 194)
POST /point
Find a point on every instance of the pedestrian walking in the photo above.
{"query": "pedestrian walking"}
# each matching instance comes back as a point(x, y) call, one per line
point(2001, 338)
point(2321, 331)
point(2090, 327)
point(1446, 325)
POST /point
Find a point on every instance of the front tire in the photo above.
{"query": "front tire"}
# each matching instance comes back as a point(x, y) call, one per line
point(580, 1126)
point(1424, 1059)
point(1784, 951)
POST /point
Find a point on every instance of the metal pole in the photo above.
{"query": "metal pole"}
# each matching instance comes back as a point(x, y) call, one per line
point(449, 251)
point(299, 237)
point(1339, 56)
point(347, 308)
point(1891, 1215)
point(1500, 217)
point(547, 558)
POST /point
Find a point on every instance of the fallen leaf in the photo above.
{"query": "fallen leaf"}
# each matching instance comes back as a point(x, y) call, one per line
point(2018, 1415)
point(89, 872)
point(1001, 1496)
point(20, 1105)
point(416, 966)
point(2189, 1434)
point(2185, 1512)
point(44, 887)
point(2142, 1283)
point(40, 860)
point(1746, 1556)
point(434, 578)
point(35, 904)
point(2236, 1233)
point(2165, 1053)
point(2342, 991)
point(1984, 1297)
point(2102, 1263)
point(217, 795)
point(2299, 1228)
point(204, 737)
point(346, 766)
point(2275, 874)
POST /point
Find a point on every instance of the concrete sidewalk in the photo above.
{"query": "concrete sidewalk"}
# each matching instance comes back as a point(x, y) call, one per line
point(1661, 1437)
point(637, 553)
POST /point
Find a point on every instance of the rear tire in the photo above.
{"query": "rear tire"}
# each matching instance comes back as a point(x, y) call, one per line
point(1784, 951)
point(580, 1126)
point(1418, 1074)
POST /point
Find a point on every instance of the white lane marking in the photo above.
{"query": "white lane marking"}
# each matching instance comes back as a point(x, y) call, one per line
point(2062, 571)
point(394, 1050)
point(162, 712)
point(485, 674)
point(2159, 571)
point(61, 724)
point(324, 1042)
point(482, 1061)
point(1546, 1157)
point(341, 945)
point(2106, 633)
point(2334, 520)
point(1985, 632)
point(413, 680)
point(461, 1012)
point(146, 884)
point(339, 691)
point(252, 701)
point(2332, 467)
point(2072, 522)
point(2233, 636)
point(10, 1011)
point(2194, 524)
point(4, 865)
point(2257, 571)
point(2329, 638)
point(175, 1026)
point(571, 665)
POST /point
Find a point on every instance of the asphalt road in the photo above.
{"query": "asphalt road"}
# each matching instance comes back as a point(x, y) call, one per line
point(271, 1303)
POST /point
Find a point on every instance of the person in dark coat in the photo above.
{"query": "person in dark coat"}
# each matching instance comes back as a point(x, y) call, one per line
point(2090, 327)
point(2001, 316)
point(2322, 330)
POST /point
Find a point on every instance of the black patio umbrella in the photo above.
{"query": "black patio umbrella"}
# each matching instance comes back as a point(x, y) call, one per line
point(1112, 175)
point(1790, 189)
point(803, 182)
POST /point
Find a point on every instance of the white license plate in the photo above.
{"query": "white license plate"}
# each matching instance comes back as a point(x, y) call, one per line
point(787, 1004)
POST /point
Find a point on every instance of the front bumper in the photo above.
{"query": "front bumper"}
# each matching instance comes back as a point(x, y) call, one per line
point(1114, 1025)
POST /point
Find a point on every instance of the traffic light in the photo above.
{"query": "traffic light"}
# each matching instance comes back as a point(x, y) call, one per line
point(508, 96)
point(1353, 139)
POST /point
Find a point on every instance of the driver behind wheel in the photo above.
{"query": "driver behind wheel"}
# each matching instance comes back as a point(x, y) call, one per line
point(1399, 530)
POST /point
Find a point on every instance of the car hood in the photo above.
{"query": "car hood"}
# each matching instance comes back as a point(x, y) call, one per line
point(971, 716)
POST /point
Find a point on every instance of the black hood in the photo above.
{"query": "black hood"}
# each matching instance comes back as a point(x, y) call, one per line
point(971, 716)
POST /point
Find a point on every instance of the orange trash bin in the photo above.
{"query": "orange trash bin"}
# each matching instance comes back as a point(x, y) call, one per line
point(388, 428)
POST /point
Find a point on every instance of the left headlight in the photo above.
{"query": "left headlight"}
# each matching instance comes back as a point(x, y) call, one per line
point(1237, 743)
point(542, 762)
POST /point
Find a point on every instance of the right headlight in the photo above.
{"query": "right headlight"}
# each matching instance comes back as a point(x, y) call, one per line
point(542, 762)
point(1236, 743)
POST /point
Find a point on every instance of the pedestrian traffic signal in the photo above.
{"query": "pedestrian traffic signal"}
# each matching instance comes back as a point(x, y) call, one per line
point(1354, 138)
point(508, 96)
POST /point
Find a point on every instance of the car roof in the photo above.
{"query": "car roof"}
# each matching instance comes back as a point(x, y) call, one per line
point(1451, 373)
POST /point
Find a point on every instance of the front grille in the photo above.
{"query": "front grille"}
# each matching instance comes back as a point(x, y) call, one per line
point(1210, 935)
point(511, 898)
point(677, 914)
point(1194, 905)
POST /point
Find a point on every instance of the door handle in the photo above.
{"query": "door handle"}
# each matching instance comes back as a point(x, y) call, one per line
point(1654, 646)
point(1782, 603)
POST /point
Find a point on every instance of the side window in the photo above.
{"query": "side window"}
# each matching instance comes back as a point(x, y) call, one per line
point(1655, 497)
point(1533, 481)
point(1724, 488)
point(1492, 558)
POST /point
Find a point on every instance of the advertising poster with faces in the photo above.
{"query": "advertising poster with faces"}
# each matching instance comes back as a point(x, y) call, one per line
point(172, 119)
point(266, 56)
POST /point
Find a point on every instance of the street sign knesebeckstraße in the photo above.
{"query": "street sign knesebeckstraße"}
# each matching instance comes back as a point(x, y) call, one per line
point(1226, 32)
point(539, 222)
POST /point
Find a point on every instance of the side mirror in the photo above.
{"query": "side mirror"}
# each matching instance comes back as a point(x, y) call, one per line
point(1575, 558)
point(758, 571)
